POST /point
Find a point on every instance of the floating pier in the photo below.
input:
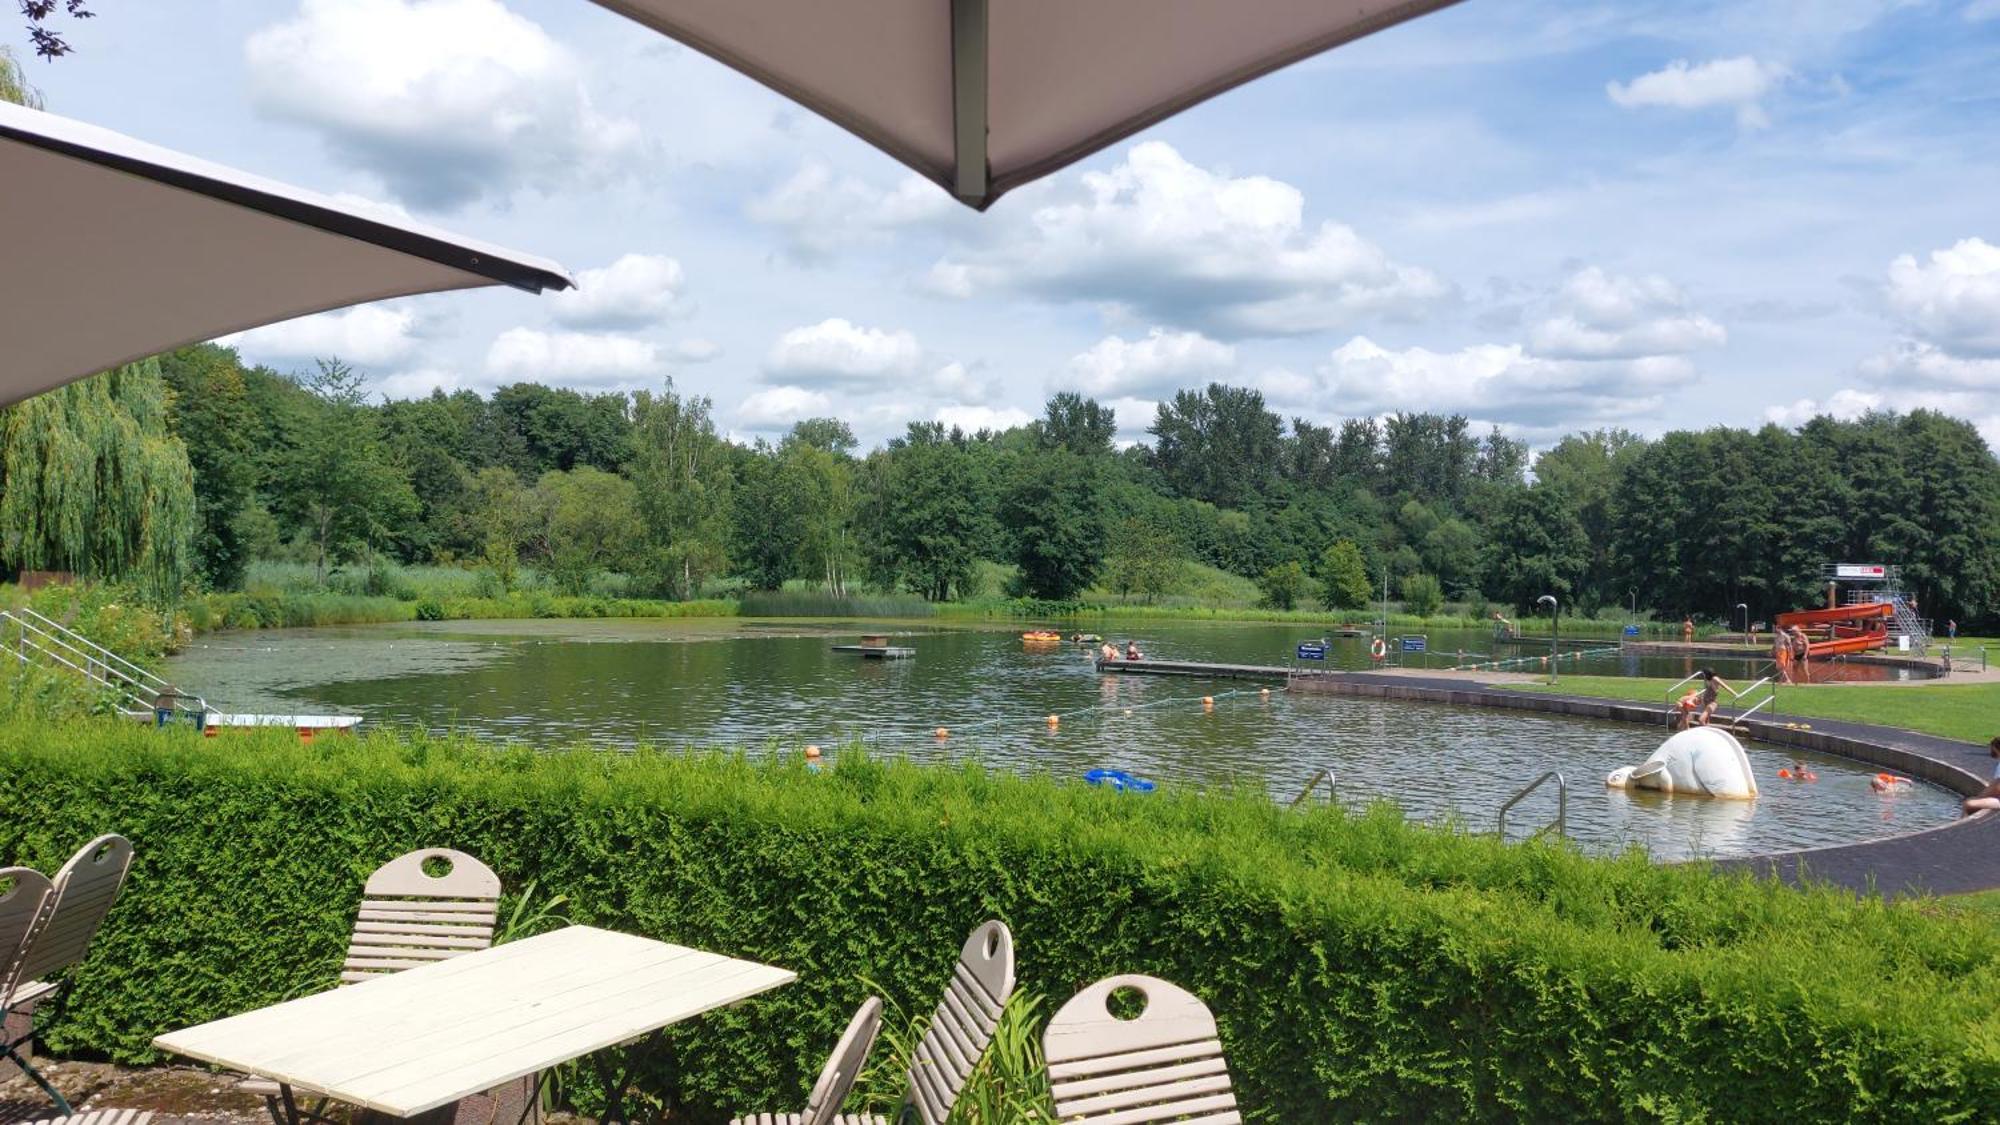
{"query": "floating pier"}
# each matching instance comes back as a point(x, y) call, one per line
point(1194, 670)
point(876, 646)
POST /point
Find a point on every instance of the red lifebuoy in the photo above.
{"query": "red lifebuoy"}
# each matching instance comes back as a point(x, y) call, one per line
point(1377, 649)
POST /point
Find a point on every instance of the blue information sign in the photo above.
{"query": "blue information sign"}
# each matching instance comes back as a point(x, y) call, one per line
point(1413, 644)
point(1312, 650)
point(1631, 630)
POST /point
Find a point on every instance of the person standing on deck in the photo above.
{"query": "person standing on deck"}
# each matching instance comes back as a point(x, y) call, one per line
point(1687, 630)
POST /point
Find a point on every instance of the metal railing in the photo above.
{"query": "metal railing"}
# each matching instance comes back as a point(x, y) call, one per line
point(1560, 823)
point(1324, 773)
point(1771, 700)
point(40, 641)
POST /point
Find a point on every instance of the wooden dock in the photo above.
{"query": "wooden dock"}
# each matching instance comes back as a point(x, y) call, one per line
point(1192, 669)
point(878, 652)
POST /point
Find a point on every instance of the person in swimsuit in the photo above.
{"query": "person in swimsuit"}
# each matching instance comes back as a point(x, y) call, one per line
point(1711, 685)
point(1986, 799)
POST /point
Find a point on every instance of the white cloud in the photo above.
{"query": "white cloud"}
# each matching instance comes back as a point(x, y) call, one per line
point(445, 100)
point(1953, 299)
point(697, 350)
point(776, 408)
point(635, 291)
point(365, 335)
point(821, 214)
point(838, 351)
point(972, 419)
point(565, 357)
point(1600, 316)
point(1925, 364)
point(1164, 361)
point(1740, 83)
point(1182, 245)
point(1497, 382)
point(1847, 404)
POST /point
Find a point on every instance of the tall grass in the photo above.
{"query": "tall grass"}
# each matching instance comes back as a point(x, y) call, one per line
point(1009, 1086)
point(820, 603)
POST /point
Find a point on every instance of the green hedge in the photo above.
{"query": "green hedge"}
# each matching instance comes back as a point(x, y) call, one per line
point(1361, 969)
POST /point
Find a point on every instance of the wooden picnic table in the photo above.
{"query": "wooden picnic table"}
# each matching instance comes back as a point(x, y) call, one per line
point(411, 1042)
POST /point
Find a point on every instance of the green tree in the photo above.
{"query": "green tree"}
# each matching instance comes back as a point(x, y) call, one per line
point(824, 480)
point(1053, 509)
point(828, 435)
point(590, 524)
point(210, 413)
point(1538, 548)
point(93, 481)
point(1220, 445)
point(1422, 595)
point(932, 508)
point(1343, 576)
point(1145, 559)
point(1284, 585)
point(339, 485)
point(14, 83)
point(769, 527)
point(1078, 424)
point(682, 471)
point(503, 515)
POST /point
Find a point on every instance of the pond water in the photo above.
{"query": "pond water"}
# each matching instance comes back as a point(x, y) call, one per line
point(778, 684)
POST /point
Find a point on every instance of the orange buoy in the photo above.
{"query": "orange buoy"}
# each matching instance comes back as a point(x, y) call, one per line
point(1784, 773)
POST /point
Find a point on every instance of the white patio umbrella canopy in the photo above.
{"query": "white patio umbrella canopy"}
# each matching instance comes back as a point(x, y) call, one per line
point(983, 96)
point(112, 250)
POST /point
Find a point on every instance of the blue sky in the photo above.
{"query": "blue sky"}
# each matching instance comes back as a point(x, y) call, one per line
point(1549, 216)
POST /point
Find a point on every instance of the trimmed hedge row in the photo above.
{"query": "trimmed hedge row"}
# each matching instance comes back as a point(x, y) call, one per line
point(1361, 969)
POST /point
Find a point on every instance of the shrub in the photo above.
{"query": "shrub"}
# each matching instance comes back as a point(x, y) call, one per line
point(1422, 595)
point(1283, 585)
point(1360, 968)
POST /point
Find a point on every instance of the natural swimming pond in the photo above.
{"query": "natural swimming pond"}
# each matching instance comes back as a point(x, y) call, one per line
point(758, 684)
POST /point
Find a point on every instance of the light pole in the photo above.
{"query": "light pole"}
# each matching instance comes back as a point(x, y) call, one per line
point(1745, 610)
point(1555, 627)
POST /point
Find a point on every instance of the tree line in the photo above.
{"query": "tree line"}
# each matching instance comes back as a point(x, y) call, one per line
point(183, 469)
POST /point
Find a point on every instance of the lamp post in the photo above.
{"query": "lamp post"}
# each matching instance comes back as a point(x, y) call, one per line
point(1745, 611)
point(1555, 627)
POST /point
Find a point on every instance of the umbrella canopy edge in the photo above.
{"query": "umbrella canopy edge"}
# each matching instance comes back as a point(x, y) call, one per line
point(45, 131)
point(1118, 131)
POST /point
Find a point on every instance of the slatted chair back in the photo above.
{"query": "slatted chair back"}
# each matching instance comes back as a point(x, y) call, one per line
point(23, 903)
point(849, 1056)
point(1165, 1065)
point(963, 1024)
point(410, 917)
point(85, 889)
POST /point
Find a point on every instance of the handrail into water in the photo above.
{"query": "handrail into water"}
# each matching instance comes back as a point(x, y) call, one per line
point(1560, 823)
point(1324, 773)
point(55, 642)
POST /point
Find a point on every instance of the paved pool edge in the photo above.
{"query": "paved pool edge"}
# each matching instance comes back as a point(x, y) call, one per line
point(1955, 858)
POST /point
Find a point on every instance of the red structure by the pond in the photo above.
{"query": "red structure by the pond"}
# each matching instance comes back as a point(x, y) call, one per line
point(1842, 629)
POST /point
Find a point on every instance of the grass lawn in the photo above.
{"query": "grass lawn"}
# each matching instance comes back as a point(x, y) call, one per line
point(1964, 711)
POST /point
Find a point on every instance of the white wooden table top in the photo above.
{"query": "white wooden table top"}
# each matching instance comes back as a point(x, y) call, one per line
point(415, 1040)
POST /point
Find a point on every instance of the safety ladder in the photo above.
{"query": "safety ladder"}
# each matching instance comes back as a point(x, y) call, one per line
point(36, 641)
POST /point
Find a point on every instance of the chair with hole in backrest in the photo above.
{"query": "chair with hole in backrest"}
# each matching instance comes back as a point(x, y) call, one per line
point(24, 901)
point(849, 1056)
point(81, 894)
point(1164, 1065)
point(409, 917)
point(963, 1025)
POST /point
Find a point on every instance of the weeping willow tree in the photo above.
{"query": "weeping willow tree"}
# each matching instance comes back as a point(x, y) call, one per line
point(92, 481)
point(14, 84)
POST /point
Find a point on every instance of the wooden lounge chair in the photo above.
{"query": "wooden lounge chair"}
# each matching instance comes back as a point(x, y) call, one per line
point(963, 1025)
point(81, 894)
point(24, 901)
point(836, 1079)
point(1165, 1065)
point(409, 917)
point(101, 1117)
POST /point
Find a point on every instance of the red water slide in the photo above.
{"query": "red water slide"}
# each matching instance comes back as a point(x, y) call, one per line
point(1847, 628)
